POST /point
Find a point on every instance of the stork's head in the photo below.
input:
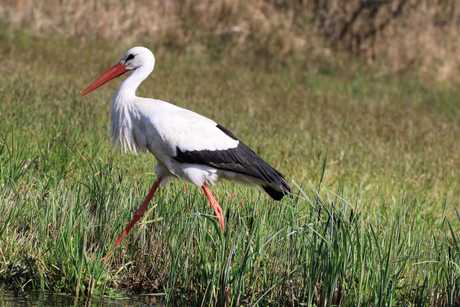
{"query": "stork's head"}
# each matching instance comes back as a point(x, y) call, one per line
point(135, 58)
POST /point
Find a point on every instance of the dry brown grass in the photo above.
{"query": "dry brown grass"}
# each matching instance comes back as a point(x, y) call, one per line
point(397, 34)
point(173, 23)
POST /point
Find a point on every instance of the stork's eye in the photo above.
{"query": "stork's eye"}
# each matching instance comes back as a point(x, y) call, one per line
point(130, 57)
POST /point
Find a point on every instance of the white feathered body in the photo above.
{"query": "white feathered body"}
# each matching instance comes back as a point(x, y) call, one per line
point(162, 129)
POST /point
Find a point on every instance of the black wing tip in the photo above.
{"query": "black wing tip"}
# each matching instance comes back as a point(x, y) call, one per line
point(278, 194)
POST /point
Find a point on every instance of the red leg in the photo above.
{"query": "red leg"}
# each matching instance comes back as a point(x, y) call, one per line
point(217, 211)
point(139, 213)
point(215, 206)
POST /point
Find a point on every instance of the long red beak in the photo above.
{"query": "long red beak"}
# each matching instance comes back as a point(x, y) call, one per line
point(117, 70)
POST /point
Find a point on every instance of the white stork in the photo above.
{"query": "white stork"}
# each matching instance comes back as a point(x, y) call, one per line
point(185, 144)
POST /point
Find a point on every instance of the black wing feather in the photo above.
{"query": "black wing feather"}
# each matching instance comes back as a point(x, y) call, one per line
point(240, 159)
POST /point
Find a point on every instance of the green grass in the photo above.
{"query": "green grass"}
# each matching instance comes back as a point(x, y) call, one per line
point(374, 223)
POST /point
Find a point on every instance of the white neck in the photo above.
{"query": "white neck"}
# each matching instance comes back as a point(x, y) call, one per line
point(122, 111)
point(128, 88)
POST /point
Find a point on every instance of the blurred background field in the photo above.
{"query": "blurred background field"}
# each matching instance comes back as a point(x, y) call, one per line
point(375, 82)
point(396, 34)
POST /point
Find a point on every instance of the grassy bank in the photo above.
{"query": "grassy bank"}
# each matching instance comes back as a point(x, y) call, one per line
point(374, 223)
